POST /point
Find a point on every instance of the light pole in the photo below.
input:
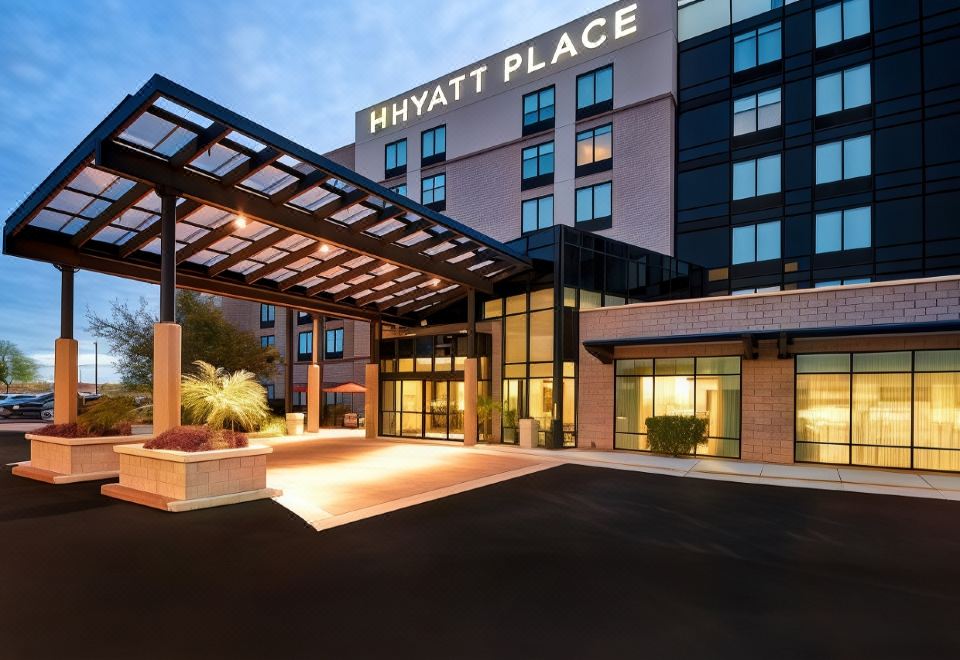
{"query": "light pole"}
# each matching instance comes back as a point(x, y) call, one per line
point(96, 368)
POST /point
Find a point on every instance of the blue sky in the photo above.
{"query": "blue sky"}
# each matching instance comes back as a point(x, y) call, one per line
point(299, 67)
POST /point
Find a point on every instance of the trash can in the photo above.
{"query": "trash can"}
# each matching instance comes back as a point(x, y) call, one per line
point(529, 433)
point(294, 423)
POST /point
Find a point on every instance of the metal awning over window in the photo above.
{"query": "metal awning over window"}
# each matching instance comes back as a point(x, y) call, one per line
point(258, 217)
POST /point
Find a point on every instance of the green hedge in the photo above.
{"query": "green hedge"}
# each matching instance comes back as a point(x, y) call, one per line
point(675, 434)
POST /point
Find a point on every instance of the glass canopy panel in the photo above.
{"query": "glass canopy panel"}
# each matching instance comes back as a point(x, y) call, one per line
point(113, 235)
point(76, 203)
point(245, 141)
point(385, 227)
point(47, 219)
point(294, 242)
point(229, 244)
point(268, 180)
point(218, 160)
point(201, 257)
point(74, 226)
point(148, 131)
point(211, 217)
point(175, 108)
point(153, 246)
point(174, 142)
point(188, 232)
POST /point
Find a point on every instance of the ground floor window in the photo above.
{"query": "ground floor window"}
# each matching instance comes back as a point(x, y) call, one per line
point(422, 408)
point(892, 409)
point(707, 387)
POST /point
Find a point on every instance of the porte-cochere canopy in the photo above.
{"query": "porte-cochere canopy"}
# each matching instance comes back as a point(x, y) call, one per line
point(258, 217)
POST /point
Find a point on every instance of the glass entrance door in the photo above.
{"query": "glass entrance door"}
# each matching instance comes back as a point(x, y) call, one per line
point(513, 408)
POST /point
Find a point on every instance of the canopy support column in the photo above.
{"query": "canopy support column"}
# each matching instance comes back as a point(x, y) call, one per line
point(471, 383)
point(371, 379)
point(291, 321)
point(65, 361)
point(315, 380)
point(167, 335)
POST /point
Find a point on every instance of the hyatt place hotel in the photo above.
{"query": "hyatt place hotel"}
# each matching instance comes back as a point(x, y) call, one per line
point(743, 210)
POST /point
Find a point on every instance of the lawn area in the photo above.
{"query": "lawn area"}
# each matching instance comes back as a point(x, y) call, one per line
point(572, 562)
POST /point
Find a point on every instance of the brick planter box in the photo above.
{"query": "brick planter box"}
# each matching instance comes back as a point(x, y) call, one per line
point(184, 481)
point(68, 460)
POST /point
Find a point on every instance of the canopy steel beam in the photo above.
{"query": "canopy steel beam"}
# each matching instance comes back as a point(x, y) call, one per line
point(131, 164)
point(315, 271)
point(207, 240)
point(202, 142)
point(390, 290)
point(368, 284)
point(281, 263)
point(123, 204)
point(141, 239)
point(252, 250)
point(345, 276)
point(35, 244)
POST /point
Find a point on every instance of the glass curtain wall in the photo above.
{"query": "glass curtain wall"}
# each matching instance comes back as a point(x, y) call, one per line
point(707, 387)
point(421, 385)
point(897, 409)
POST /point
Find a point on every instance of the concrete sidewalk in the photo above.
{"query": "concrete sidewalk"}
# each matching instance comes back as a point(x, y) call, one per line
point(933, 485)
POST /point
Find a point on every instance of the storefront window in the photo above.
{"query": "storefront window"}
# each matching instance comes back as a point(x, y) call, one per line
point(706, 387)
point(893, 409)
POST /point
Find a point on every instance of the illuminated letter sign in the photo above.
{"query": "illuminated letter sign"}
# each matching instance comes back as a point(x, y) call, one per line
point(516, 66)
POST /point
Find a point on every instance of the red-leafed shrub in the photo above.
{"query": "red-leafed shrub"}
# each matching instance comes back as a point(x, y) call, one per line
point(197, 438)
point(80, 430)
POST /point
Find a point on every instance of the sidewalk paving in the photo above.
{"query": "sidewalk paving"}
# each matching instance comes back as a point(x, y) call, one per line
point(932, 485)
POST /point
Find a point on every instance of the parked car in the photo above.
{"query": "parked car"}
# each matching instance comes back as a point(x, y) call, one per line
point(31, 407)
point(46, 410)
point(10, 398)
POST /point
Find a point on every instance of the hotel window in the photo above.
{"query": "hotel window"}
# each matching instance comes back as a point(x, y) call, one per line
point(743, 9)
point(433, 145)
point(758, 242)
point(753, 178)
point(271, 391)
point(433, 191)
point(894, 409)
point(305, 346)
point(268, 316)
point(594, 205)
point(595, 150)
point(300, 394)
point(400, 189)
point(849, 229)
point(756, 47)
point(595, 92)
point(843, 90)
point(538, 111)
point(266, 341)
point(537, 167)
point(846, 159)
point(756, 112)
point(707, 387)
point(303, 318)
point(537, 213)
point(395, 157)
point(334, 344)
point(841, 21)
point(844, 282)
point(761, 289)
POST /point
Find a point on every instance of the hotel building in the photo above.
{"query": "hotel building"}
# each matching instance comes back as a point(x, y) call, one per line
point(742, 210)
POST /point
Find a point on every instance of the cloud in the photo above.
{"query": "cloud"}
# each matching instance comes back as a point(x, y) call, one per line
point(299, 67)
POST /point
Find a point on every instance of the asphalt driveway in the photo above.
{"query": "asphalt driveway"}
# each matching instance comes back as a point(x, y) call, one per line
point(572, 562)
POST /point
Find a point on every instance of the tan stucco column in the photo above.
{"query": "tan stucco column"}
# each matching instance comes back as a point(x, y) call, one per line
point(470, 391)
point(65, 369)
point(314, 397)
point(166, 376)
point(371, 400)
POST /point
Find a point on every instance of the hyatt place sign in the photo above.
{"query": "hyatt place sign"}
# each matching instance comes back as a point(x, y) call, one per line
point(569, 44)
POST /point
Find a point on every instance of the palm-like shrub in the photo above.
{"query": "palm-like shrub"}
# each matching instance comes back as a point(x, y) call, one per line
point(220, 399)
point(111, 415)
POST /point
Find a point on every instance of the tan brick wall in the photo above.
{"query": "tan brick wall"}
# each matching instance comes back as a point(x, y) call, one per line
point(483, 189)
point(767, 383)
point(182, 481)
